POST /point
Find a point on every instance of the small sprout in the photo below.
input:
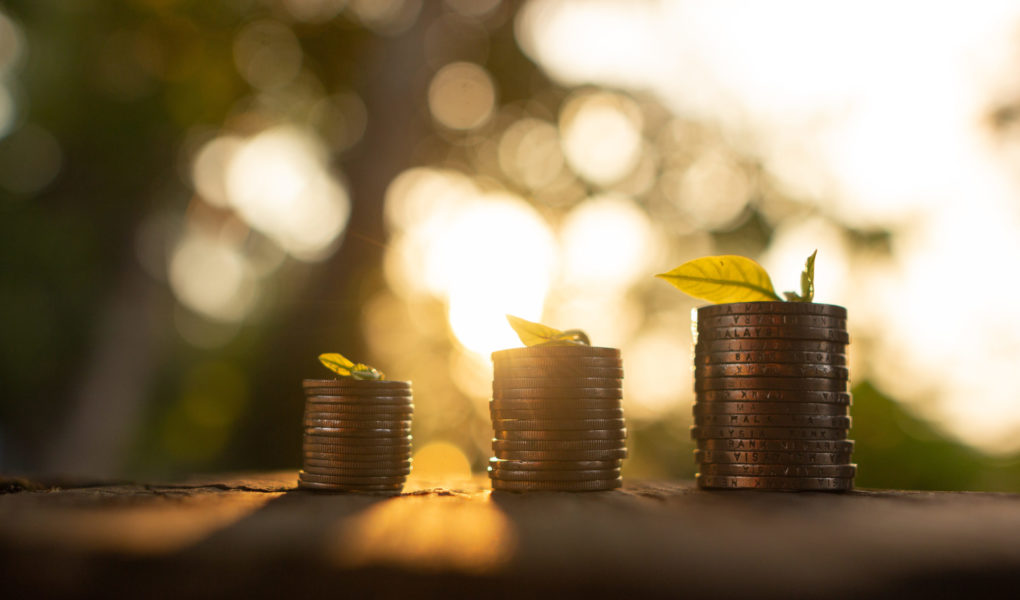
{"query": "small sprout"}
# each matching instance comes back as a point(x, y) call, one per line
point(536, 334)
point(730, 278)
point(345, 368)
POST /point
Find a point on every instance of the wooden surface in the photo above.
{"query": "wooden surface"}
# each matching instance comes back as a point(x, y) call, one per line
point(259, 536)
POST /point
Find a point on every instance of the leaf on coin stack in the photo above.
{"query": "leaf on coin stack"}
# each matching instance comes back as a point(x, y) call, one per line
point(807, 282)
point(344, 367)
point(536, 334)
point(722, 279)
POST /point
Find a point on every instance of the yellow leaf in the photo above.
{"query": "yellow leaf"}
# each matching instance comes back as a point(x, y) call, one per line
point(722, 279)
point(337, 363)
point(536, 334)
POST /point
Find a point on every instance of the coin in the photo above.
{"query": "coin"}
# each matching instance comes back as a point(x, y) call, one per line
point(344, 471)
point(705, 345)
point(557, 486)
point(750, 420)
point(773, 370)
point(565, 445)
point(775, 483)
point(326, 440)
point(348, 383)
point(388, 490)
point(769, 408)
point(352, 432)
point(839, 336)
point(574, 350)
point(554, 403)
point(359, 417)
point(541, 383)
point(359, 409)
point(768, 307)
point(758, 470)
point(772, 458)
point(770, 383)
point(769, 356)
point(354, 466)
point(559, 363)
point(557, 413)
point(556, 424)
point(562, 455)
point(554, 465)
point(536, 393)
point(772, 395)
point(588, 475)
point(357, 424)
point(361, 395)
point(357, 455)
point(773, 320)
point(362, 401)
point(561, 434)
point(549, 372)
point(841, 446)
point(353, 479)
point(766, 433)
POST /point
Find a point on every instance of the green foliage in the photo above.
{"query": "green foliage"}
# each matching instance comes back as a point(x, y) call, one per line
point(346, 368)
point(720, 279)
point(536, 334)
point(807, 282)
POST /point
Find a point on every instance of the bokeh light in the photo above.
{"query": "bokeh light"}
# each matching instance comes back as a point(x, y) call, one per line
point(462, 96)
point(601, 136)
point(210, 276)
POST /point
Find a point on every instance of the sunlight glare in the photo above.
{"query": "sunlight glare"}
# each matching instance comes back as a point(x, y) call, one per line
point(601, 135)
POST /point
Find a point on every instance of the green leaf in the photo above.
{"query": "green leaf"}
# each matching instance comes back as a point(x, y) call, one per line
point(345, 368)
point(536, 334)
point(720, 279)
point(807, 282)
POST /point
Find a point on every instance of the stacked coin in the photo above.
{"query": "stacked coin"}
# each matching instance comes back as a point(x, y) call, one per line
point(772, 403)
point(357, 435)
point(557, 419)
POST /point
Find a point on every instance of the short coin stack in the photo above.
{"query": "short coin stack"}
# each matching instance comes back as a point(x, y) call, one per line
point(357, 435)
point(772, 406)
point(557, 419)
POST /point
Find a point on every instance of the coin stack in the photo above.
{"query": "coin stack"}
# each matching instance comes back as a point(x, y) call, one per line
point(557, 419)
point(357, 435)
point(772, 406)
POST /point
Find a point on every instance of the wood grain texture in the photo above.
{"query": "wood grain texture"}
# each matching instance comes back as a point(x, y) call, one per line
point(257, 535)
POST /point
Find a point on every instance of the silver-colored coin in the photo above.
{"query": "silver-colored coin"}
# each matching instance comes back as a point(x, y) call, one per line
point(775, 483)
point(770, 408)
point(773, 370)
point(757, 470)
point(561, 434)
point(771, 458)
point(767, 433)
point(734, 444)
point(753, 420)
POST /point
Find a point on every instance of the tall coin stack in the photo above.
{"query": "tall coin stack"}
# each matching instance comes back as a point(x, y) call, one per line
point(557, 419)
point(772, 403)
point(357, 435)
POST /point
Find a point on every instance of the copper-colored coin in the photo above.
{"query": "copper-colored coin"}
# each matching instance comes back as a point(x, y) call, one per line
point(557, 364)
point(353, 432)
point(771, 307)
point(770, 408)
point(770, 356)
point(554, 413)
point(353, 479)
point(347, 383)
point(334, 471)
point(502, 372)
point(554, 403)
point(356, 394)
point(561, 455)
point(556, 383)
point(839, 336)
point(356, 442)
point(771, 458)
point(557, 486)
point(363, 401)
point(357, 424)
point(389, 490)
point(775, 483)
point(549, 393)
point(758, 470)
point(705, 345)
point(840, 446)
point(359, 417)
point(554, 465)
point(359, 467)
point(556, 351)
point(773, 370)
point(561, 434)
point(589, 475)
point(770, 383)
point(564, 445)
point(774, 395)
point(774, 320)
point(359, 409)
point(841, 422)
point(357, 455)
point(556, 424)
point(766, 433)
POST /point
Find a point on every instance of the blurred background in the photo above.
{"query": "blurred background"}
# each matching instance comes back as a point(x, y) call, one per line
point(198, 198)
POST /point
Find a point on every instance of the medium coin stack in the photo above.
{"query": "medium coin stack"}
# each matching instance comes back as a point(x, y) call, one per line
point(772, 403)
point(357, 435)
point(557, 419)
